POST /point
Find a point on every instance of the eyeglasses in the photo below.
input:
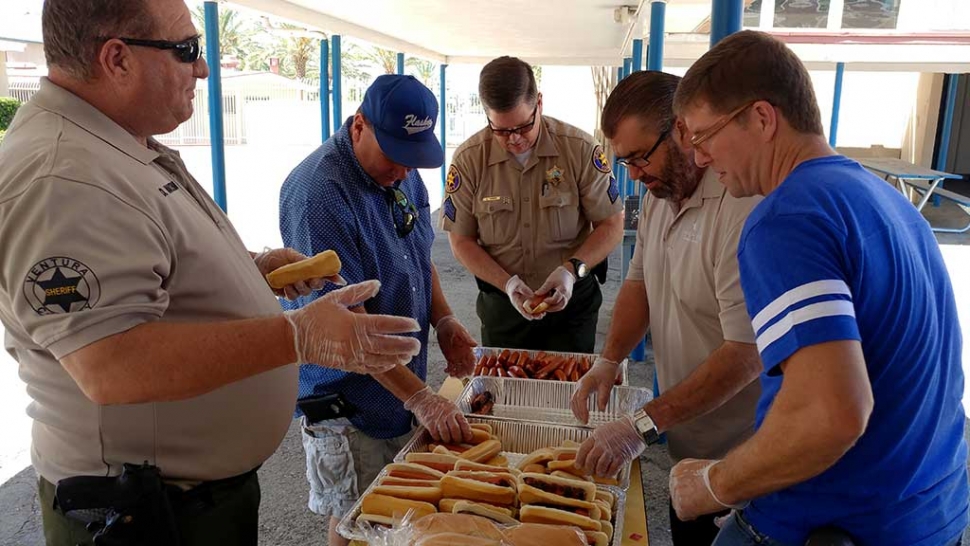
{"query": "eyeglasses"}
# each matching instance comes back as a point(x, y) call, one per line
point(515, 130)
point(402, 206)
point(703, 136)
point(643, 161)
point(186, 51)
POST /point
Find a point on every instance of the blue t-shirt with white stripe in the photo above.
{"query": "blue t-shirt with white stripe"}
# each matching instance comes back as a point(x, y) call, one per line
point(835, 253)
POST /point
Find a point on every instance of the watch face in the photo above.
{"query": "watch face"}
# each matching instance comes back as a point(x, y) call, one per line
point(582, 270)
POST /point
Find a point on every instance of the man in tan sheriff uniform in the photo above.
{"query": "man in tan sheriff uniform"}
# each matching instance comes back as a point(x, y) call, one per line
point(144, 329)
point(532, 209)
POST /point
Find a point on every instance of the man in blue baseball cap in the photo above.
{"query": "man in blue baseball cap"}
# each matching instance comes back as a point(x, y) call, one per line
point(360, 195)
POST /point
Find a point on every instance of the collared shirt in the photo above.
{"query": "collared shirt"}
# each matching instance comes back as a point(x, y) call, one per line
point(686, 257)
point(833, 254)
point(532, 218)
point(329, 203)
point(101, 234)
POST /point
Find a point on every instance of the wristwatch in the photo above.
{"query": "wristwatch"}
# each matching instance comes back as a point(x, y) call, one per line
point(646, 427)
point(579, 267)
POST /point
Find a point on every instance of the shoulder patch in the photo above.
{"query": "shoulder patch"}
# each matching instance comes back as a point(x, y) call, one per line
point(613, 191)
point(449, 209)
point(60, 285)
point(600, 161)
point(453, 182)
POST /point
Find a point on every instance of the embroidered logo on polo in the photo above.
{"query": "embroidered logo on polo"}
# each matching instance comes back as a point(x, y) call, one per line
point(61, 284)
point(453, 181)
point(449, 209)
point(613, 191)
point(413, 125)
point(169, 188)
point(600, 161)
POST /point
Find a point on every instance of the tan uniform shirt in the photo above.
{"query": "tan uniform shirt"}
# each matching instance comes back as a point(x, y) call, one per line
point(687, 259)
point(101, 234)
point(532, 218)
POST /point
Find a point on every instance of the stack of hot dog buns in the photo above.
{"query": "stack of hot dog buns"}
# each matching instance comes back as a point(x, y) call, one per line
point(520, 364)
point(469, 530)
point(560, 461)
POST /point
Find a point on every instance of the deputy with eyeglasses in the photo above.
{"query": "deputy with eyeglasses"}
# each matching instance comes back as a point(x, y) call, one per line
point(684, 286)
point(159, 363)
point(361, 195)
point(532, 208)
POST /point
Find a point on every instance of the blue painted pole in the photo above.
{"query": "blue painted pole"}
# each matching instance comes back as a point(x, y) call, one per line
point(443, 123)
point(637, 55)
point(836, 104)
point(324, 89)
point(624, 181)
point(400, 63)
point(944, 149)
point(338, 119)
point(655, 51)
point(216, 138)
point(725, 18)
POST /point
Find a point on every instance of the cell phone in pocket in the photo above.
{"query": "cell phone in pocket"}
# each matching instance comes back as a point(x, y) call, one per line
point(325, 407)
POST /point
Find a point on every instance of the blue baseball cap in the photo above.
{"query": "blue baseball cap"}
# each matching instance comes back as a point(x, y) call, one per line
point(403, 113)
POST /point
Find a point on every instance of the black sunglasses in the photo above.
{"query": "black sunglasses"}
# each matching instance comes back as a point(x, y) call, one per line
point(186, 51)
point(643, 161)
point(515, 130)
point(407, 210)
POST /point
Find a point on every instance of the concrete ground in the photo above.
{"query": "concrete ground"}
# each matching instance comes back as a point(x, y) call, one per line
point(284, 518)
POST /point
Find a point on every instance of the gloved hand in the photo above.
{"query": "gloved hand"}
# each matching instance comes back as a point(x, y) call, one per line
point(456, 346)
point(600, 378)
point(440, 416)
point(271, 260)
point(691, 492)
point(559, 286)
point(610, 447)
point(519, 293)
point(327, 333)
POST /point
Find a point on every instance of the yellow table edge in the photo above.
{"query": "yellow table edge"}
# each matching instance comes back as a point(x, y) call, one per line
point(634, 517)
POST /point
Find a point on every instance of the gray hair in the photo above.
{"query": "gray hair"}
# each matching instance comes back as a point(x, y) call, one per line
point(74, 30)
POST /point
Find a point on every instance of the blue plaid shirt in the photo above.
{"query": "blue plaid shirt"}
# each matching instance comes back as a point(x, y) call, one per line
point(329, 202)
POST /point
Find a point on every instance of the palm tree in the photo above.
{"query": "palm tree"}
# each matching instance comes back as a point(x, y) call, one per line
point(235, 34)
point(380, 58)
point(423, 70)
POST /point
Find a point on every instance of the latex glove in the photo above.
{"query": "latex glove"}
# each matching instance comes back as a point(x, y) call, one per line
point(440, 416)
point(456, 346)
point(690, 489)
point(519, 293)
point(610, 447)
point(559, 286)
point(327, 333)
point(270, 260)
point(599, 378)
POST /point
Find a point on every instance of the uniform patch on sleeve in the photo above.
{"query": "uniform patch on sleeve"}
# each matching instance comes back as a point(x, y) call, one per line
point(60, 285)
point(449, 209)
point(613, 191)
point(453, 182)
point(600, 160)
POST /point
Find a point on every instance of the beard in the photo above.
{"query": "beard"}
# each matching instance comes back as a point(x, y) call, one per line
point(678, 178)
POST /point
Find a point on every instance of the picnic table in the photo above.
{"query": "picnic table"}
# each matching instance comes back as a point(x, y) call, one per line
point(926, 183)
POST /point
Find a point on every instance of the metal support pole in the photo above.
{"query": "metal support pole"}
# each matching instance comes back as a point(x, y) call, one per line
point(655, 51)
point(637, 55)
point(443, 124)
point(338, 119)
point(836, 104)
point(400, 63)
point(216, 139)
point(624, 180)
point(950, 83)
point(725, 18)
point(324, 89)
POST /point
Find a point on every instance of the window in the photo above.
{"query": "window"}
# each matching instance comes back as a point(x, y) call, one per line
point(870, 14)
point(752, 15)
point(802, 13)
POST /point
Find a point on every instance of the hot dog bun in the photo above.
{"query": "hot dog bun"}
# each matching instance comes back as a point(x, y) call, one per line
point(596, 538)
point(536, 534)
point(440, 462)
point(484, 510)
point(390, 480)
point(413, 471)
point(483, 451)
point(485, 487)
point(448, 505)
point(426, 494)
point(530, 513)
point(324, 264)
point(543, 486)
point(383, 505)
point(539, 456)
point(462, 464)
point(463, 524)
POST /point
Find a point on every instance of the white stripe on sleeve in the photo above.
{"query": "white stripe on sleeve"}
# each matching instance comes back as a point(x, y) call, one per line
point(814, 311)
point(830, 287)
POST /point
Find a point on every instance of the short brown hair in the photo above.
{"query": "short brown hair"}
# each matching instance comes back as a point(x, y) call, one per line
point(748, 66)
point(648, 95)
point(505, 82)
point(74, 30)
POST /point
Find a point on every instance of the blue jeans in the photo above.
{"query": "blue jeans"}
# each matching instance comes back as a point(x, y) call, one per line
point(738, 532)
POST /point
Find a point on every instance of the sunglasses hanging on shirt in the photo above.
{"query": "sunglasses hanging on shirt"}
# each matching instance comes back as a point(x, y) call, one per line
point(401, 207)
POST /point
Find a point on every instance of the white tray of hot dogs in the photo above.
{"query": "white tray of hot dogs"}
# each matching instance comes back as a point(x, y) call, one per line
point(544, 401)
point(540, 365)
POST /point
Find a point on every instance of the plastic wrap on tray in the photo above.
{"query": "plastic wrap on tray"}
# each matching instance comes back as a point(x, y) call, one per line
point(542, 365)
point(543, 401)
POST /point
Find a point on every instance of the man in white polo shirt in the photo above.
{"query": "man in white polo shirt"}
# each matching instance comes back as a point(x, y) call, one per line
point(144, 329)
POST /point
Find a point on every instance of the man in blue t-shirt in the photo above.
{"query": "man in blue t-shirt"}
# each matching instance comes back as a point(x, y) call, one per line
point(860, 425)
point(360, 195)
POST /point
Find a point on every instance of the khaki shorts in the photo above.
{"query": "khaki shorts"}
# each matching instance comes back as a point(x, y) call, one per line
point(341, 462)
